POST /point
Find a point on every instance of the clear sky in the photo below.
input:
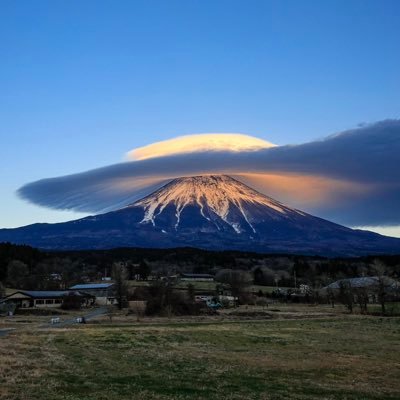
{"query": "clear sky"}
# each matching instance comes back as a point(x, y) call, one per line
point(83, 82)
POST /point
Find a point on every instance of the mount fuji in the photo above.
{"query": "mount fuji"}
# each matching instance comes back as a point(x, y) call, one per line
point(213, 212)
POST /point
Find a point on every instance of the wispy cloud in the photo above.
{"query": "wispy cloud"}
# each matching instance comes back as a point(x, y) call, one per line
point(352, 177)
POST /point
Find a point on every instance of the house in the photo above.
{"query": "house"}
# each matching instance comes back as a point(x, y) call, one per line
point(371, 285)
point(367, 282)
point(197, 277)
point(42, 298)
point(103, 292)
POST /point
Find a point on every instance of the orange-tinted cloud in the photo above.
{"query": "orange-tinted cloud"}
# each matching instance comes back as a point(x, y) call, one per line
point(233, 142)
point(302, 190)
point(352, 178)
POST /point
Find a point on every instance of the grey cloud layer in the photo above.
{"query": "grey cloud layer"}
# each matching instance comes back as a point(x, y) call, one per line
point(369, 155)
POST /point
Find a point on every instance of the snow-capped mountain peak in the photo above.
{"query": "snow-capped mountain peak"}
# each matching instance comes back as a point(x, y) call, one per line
point(214, 196)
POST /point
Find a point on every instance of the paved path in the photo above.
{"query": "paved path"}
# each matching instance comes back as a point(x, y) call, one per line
point(93, 314)
point(72, 321)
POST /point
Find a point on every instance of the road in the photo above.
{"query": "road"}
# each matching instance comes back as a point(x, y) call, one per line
point(72, 321)
point(93, 314)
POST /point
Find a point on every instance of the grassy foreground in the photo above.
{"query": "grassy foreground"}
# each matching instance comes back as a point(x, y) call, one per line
point(337, 358)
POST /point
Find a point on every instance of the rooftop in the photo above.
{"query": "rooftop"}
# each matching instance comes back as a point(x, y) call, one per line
point(42, 294)
point(364, 281)
point(83, 286)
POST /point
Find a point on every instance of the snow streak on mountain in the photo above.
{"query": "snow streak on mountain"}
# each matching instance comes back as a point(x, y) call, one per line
point(216, 197)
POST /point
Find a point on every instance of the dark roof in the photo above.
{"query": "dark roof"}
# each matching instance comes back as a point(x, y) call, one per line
point(83, 286)
point(46, 294)
point(197, 276)
point(42, 294)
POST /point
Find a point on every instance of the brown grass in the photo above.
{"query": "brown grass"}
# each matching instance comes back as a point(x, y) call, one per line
point(330, 357)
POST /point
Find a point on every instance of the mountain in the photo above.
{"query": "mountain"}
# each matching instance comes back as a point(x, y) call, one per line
point(210, 212)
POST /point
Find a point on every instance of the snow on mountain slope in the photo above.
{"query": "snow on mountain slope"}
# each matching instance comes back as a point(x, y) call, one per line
point(215, 195)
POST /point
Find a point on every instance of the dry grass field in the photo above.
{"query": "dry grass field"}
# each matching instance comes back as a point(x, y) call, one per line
point(301, 353)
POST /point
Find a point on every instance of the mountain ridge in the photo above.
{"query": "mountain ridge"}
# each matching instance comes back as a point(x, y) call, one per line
point(214, 212)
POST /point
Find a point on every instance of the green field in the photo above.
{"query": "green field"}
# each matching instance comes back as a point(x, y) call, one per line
point(337, 357)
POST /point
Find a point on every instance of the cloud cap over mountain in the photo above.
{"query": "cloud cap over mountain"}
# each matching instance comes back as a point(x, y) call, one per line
point(352, 177)
point(233, 142)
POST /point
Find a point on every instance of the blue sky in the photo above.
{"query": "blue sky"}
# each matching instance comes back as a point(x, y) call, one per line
point(84, 82)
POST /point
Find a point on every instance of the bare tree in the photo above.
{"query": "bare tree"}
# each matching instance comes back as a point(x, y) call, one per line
point(362, 298)
point(120, 277)
point(138, 307)
point(262, 301)
point(110, 312)
point(144, 270)
point(331, 297)
point(191, 292)
point(379, 269)
point(2, 290)
point(346, 294)
point(236, 280)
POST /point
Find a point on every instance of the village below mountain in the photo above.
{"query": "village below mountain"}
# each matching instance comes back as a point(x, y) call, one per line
point(194, 303)
point(188, 281)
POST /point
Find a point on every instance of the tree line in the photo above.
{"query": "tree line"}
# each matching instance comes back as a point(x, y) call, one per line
point(24, 267)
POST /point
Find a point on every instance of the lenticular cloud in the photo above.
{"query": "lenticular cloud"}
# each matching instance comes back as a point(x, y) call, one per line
point(232, 142)
point(352, 177)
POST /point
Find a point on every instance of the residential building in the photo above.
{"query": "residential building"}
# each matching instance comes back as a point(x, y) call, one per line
point(104, 293)
point(42, 298)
